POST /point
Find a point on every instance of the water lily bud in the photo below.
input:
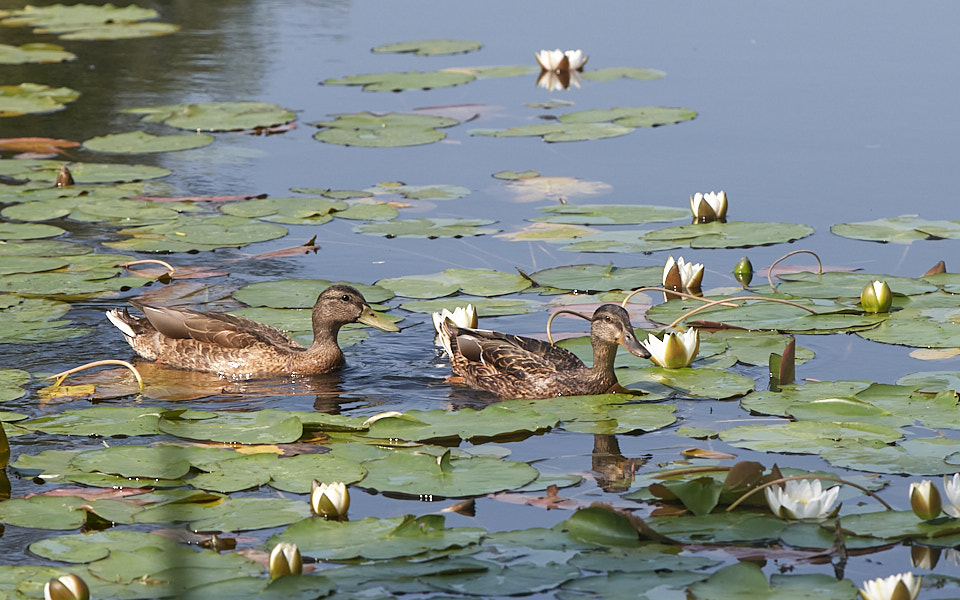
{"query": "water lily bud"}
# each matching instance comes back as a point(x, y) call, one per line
point(876, 297)
point(675, 350)
point(924, 557)
point(951, 487)
point(330, 500)
point(925, 500)
point(743, 272)
point(285, 559)
point(66, 587)
point(710, 207)
point(682, 276)
point(896, 587)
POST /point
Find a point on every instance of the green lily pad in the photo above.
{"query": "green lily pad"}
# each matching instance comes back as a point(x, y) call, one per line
point(34, 53)
point(384, 130)
point(480, 282)
point(398, 82)
point(88, 22)
point(466, 424)
point(302, 293)
point(733, 234)
point(609, 214)
point(69, 283)
point(420, 192)
point(698, 383)
point(294, 474)
point(290, 211)
point(63, 512)
point(560, 132)
point(153, 462)
point(598, 277)
point(376, 538)
point(11, 383)
point(33, 98)
point(921, 328)
point(634, 116)
point(283, 588)
point(34, 320)
point(190, 233)
point(28, 231)
point(264, 427)
point(102, 421)
point(137, 142)
point(429, 228)
point(623, 418)
point(431, 47)
point(611, 73)
point(747, 580)
point(231, 514)
point(83, 173)
point(485, 307)
point(445, 475)
point(753, 348)
point(892, 525)
point(847, 285)
point(905, 229)
point(217, 116)
point(89, 547)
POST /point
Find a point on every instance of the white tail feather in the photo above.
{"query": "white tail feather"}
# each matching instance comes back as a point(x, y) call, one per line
point(114, 317)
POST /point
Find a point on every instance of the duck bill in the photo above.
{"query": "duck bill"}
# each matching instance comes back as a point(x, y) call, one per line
point(374, 319)
point(629, 341)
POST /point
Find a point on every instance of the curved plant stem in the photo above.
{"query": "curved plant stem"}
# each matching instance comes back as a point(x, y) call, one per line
point(787, 255)
point(569, 312)
point(716, 302)
point(821, 478)
point(98, 363)
point(166, 265)
point(666, 291)
point(689, 470)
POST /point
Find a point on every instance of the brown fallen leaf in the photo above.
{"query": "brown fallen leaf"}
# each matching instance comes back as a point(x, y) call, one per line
point(307, 248)
point(940, 267)
point(712, 454)
point(37, 144)
point(95, 494)
point(199, 198)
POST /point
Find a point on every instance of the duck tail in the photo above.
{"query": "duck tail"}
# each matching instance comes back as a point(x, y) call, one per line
point(122, 320)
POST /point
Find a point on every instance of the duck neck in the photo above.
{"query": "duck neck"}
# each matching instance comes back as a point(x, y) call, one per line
point(325, 335)
point(604, 354)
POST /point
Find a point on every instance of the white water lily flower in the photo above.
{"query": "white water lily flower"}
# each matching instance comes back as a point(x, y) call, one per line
point(553, 60)
point(691, 275)
point(462, 316)
point(951, 487)
point(709, 207)
point(330, 500)
point(876, 297)
point(903, 586)
point(801, 499)
point(66, 587)
point(675, 350)
point(925, 500)
point(285, 559)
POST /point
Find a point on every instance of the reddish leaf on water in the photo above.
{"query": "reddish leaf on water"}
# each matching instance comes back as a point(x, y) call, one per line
point(307, 248)
point(940, 267)
point(94, 493)
point(271, 130)
point(198, 198)
point(36, 144)
point(186, 292)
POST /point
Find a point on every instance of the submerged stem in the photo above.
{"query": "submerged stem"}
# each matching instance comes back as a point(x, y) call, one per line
point(98, 363)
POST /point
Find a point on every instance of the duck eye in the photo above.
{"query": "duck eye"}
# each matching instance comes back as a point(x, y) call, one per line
point(345, 298)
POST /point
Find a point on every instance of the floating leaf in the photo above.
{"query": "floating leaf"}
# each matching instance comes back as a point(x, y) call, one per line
point(635, 116)
point(27, 231)
point(301, 293)
point(900, 230)
point(83, 173)
point(431, 47)
point(264, 427)
point(610, 214)
point(297, 210)
point(87, 22)
point(699, 383)
point(231, 514)
point(494, 421)
point(747, 579)
point(559, 189)
point(217, 116)
point(197, 233)
point(92, 546)
point(398, 82)
point(611, 73)
point(34, 320)
point(136, 142)
point(421, 192)
point(101, 421)
point(598, 277)
point(34, 53)
point(429, 228)
point(560, 132)
point(384, 130)
point(923, 328)
point(11, 382)
point(485, 307)
point(847, 285)
point(33, 98)
point(734, 234)
point(480, 282)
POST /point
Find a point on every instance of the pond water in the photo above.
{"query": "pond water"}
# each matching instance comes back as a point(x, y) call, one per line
point(810, 113)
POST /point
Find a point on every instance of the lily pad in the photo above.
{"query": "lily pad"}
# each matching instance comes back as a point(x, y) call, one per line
point(88, 22)
point(905, 229)
point(376, 538)
point(598, 277)
point(382, 130)
point(102, 421)
point(922, 328)
point(733, 234)
point(295, 210)
point(34, 53)
point(398, 82)
point(11, 382)
point(485, 307)
point(609, 214)
point(431, 47)
point(429, 228)
point(479, 282)
point(33, 98)
point(847, 285)
point(698, 383)
point(302, 293)
point(560, 132)
point(466, 424)
point(232, 514)
point(445, 475)
point(264, 427)
point(217, 116)
point(611, 73)
point(34, 320)
point(421, 192)
point(137, 142)
point(83, 173)
point(197, 233)
point(89, 547)
point(747, 579)
point(635, 116)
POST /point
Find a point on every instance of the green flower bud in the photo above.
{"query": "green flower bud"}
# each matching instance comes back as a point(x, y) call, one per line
point(743, 272)
point(925, 500)
point(876, 297)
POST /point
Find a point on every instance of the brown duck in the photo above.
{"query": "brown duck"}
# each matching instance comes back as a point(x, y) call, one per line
point(512, 366)
point(240, 347)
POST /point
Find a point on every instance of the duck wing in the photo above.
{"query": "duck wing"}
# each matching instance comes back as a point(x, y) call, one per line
point(220, 329)
point(513, 354)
